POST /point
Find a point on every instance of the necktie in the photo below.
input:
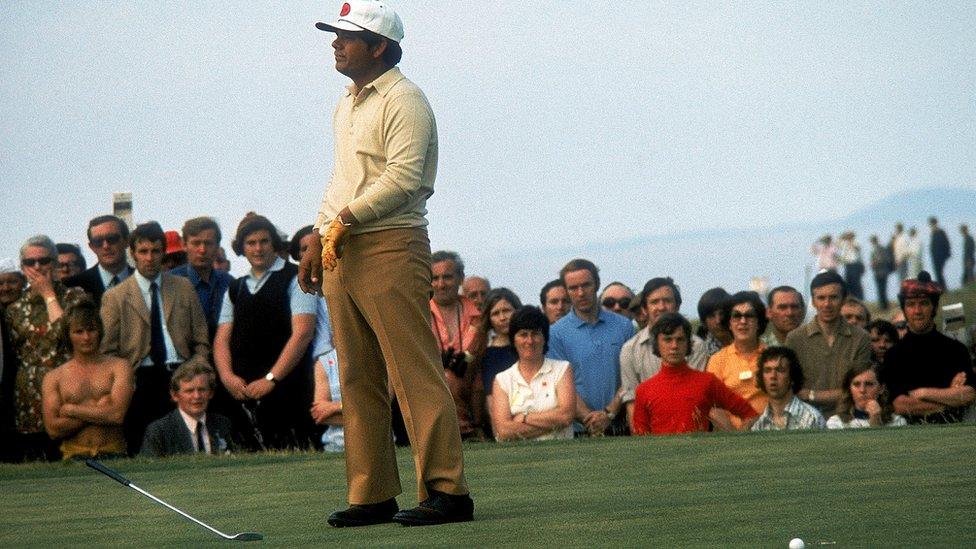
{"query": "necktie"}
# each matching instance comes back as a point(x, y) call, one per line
point(200, 446)
point(115, 280)
point(157, 345)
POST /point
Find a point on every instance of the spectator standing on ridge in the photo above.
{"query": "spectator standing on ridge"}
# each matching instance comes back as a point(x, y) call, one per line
point(85, 399)
point(882, 265)
point(849, 255)
point(153, 320)
point(968, 255)
point(827, 346)
point(930, 375)
point(913, 254)
point(780, 376)
point(785, 313)
point(590, 339)
point(940, 249)
point(638, 361)
point(554, 300)
point(108, 237)
point(70, 261)
point(456, 324)
point(825, 251)
point(35, 323)
point(899, 250)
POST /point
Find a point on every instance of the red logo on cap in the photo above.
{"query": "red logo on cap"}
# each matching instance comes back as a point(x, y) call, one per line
point(345, 10)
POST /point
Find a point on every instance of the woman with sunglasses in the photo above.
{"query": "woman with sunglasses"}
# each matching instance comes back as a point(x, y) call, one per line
point(744, 316)
point(864, 402)
point(36, 337)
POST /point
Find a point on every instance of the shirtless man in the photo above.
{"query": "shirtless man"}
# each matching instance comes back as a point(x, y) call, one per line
point(85, 399)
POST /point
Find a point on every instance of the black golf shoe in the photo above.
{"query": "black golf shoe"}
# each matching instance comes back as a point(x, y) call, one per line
point(438, 508)
point(365, 515)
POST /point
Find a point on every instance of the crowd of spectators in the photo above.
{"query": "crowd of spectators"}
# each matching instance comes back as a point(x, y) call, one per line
point(157, 350)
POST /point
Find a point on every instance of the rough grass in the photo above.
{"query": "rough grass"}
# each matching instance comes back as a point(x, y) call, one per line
point(903, 487)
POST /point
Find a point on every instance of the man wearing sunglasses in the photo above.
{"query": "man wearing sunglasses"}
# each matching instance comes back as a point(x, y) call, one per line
point(108, 237)
point(616, 298)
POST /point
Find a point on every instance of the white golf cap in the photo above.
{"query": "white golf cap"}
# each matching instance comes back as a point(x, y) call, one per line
point(371, 15)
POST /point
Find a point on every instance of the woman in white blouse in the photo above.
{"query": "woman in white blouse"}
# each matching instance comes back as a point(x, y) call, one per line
point(534, 399)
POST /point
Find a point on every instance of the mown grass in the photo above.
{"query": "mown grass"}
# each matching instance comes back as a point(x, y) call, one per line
point(894, 487)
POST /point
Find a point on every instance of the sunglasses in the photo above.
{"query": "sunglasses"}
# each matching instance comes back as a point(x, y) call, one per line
point(112, 239)
point(610, 302)
point(30, 262)
point(901, 325)
point(746, 316)
point(68, 265)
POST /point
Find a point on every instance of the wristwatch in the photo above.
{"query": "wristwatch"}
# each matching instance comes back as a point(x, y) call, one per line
point(610, 415)
point(270, 377)
point(342, 221)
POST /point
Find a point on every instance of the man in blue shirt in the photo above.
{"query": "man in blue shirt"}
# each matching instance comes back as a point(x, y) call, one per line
point(201, 236)
point(590, 338)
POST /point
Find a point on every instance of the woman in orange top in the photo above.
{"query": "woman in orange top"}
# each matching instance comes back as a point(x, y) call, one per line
point(744, 315)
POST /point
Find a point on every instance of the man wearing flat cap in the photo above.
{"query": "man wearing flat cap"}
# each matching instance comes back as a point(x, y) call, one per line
point(373, 264)
point(929, 375)
point(828, 346)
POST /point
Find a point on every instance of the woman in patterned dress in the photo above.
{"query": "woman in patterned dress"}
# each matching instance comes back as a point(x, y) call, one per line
point(34, 321)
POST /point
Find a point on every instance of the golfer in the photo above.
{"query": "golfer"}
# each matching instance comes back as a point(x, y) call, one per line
point(373, 263)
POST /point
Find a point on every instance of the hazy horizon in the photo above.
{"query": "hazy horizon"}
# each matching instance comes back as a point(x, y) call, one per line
point(558, 123)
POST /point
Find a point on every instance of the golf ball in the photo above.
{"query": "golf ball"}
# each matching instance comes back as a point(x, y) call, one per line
point(797, 543)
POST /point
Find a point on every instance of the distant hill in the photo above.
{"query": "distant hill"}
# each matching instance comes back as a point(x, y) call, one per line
point(699, 260)
point(955, 203)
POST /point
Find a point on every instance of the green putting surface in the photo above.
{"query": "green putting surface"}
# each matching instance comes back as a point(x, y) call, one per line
point(907, 487)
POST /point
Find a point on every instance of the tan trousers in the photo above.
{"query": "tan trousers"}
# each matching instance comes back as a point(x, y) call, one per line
point(378, 303)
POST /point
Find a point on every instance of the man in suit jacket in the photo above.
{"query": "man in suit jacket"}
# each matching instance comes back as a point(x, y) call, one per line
point(154, 321)
point(107, 238)
point(189, 428)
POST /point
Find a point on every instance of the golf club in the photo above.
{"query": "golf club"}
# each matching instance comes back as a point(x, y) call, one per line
point(243, 536)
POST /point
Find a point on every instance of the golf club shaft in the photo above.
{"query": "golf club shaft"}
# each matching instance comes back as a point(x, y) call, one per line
point(161, 502)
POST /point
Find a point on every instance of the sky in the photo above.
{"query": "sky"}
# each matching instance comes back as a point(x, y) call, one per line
point(559, 122)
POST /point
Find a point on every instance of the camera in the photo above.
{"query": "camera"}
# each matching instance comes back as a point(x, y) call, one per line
point(455, 362)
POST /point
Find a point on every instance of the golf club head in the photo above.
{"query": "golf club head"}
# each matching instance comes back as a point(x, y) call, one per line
point(248, 536)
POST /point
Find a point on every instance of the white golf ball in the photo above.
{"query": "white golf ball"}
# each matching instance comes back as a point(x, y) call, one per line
point(797, 543)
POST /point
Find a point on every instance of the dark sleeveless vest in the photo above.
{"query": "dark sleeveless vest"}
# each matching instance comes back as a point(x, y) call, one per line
point(262, 323)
